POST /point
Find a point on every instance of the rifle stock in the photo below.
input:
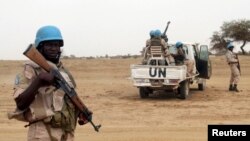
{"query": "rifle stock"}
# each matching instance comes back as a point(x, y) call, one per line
point(33, 54)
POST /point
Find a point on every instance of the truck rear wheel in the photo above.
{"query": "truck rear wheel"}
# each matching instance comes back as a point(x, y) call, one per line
point(184, 89)
point(144, 93)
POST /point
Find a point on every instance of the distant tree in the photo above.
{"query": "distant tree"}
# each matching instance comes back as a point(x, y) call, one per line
point(239, 31)
point(218, 42)
point(236, 31)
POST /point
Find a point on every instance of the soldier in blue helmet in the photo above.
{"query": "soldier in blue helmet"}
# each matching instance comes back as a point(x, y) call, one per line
point(151, 34)
point(181, 59)
point(49, 41)
point(180, 55)
point(50, 113)
point(145, 49)
point(233, 62)
point(156, 40)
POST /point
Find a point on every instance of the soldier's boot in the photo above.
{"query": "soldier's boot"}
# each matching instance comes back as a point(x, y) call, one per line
point(231, 87)
point(235, 88)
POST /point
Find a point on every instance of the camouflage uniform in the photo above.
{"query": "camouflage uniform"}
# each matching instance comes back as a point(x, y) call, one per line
point(233, 62)
point(180, 59)
point(190, 67)
point(51, 115)
point(179, 56)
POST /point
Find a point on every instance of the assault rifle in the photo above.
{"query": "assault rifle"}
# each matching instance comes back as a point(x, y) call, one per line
point(164, 36)
point(33, 54)
point(238, 64)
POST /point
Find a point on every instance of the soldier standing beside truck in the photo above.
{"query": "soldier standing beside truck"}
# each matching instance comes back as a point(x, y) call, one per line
point(233, 63)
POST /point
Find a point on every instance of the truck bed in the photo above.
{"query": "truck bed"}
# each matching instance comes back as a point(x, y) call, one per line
point(148, 75)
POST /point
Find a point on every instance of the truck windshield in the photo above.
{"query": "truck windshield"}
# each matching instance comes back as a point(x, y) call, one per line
point(172, 49)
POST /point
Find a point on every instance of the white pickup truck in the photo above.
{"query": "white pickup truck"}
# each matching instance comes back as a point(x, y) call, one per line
point(158, 75)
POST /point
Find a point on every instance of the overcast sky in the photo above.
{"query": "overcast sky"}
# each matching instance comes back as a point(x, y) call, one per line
point(113, 27)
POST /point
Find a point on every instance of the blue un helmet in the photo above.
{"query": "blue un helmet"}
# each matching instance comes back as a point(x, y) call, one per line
point(48, 33)
point(230, 45)
point(157, 33)
point(178, 44)
point(151, 33)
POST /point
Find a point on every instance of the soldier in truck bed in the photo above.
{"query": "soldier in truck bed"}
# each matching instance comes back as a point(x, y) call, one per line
point(151, 34)
point(156, 40)
point(145, 50)
point(181, 59)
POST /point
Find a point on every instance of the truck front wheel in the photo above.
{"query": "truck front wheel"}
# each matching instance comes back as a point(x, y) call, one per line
point(144, 92)
point(184, 89)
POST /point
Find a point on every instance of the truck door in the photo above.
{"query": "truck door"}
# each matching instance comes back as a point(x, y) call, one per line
point(204, 64)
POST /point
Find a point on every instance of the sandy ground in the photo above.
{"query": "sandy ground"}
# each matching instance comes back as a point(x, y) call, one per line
point(105, 88)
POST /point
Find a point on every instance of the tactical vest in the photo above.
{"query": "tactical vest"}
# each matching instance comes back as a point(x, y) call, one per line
point(155, 42)
point(52, 105)
point(156, 47)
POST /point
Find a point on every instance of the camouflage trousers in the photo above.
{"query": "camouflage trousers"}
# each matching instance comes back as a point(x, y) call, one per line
point(190, 67)
point(41, 131)
point(235, 74)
